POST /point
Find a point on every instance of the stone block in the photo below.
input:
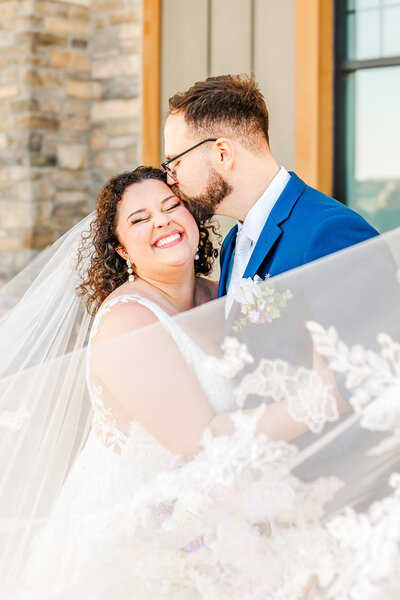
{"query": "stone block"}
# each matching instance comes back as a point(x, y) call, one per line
point(114, 109)
point(15, 215)
point(7, 39)
point(10, 244)
point(41, 238)
point(42, 190)
point(67, 26)
point(41, 78)
point(99, 141)
point(28, 105)
point(3, 141)
point(49, 7)
point(105, 43)
point(129, 31)
point(60, 175)
point(43, 212)
point(121, 142)
point(50, 105)
point(10, 76)
point(105, 6)
point(8, 91)
point(75, 106)
point(83, 89)
point(128, 16)
point(43, 160)
point(116, 66)
point(37, 60)
point(47, 39)
point(132, 157)
point(130, 47)
point(110, 160)
point(34, 122)
point(62, 59)
point(35, 141)
point(79, 43)
point(128, 127)
point(79, 12)
point(20, 173)
point(8, 9)
point(25, 191)
point(72, 156)
point(120, 88)
point(78, 2)
point(71, 122)
point(71, 197)
point(99, 24)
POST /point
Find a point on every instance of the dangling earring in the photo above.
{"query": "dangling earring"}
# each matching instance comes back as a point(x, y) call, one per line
point(197, 256)
point(130, 271)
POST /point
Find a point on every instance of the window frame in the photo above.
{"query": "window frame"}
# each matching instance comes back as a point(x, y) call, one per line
point(344, 67)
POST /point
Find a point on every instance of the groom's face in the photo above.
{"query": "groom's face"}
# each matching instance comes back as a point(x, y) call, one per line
point(196, 181)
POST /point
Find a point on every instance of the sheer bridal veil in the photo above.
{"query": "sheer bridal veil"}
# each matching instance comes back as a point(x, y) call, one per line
point(311, 359)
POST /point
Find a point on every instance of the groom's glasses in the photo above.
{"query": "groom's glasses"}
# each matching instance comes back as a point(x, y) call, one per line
point(171, 171)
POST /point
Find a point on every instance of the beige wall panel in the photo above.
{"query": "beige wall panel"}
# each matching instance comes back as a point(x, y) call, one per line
point(184, 56)
point(230, 31)
point(274, 53)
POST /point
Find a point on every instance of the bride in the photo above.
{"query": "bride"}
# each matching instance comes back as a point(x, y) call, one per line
point(157, 490)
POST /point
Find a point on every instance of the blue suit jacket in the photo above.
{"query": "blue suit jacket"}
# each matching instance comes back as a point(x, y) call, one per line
point(303, 225)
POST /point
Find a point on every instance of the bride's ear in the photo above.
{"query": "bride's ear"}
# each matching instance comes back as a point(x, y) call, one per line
point(122, 252)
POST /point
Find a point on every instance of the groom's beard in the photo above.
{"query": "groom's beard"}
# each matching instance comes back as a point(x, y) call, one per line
point(204, 205)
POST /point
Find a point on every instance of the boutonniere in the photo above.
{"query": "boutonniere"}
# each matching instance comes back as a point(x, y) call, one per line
point(259, 303)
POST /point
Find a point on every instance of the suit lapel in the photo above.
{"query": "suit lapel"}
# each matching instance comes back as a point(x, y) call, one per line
point(272, 230)
point(226, 253)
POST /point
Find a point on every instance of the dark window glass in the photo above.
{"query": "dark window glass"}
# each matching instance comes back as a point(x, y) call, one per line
point(367, 152)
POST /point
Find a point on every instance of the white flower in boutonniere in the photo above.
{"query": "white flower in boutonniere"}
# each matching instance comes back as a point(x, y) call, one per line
point(259, 303)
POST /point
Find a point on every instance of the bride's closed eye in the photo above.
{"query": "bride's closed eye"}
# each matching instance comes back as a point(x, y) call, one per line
point(141, 220)
point(167, 208)
point(172, 206)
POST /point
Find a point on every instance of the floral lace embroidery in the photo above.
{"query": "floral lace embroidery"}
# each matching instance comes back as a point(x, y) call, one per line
point(103, 421)
point(104, 424)
point(309, 399)
point(367, 548)
point(368, 374)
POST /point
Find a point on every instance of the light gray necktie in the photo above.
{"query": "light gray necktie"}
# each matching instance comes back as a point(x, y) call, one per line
point(243, 249)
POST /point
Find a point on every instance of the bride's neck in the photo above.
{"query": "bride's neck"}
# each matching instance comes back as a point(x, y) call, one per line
point(180, 291)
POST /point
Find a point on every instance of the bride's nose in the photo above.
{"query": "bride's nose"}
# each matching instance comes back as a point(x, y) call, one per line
point(161, 220)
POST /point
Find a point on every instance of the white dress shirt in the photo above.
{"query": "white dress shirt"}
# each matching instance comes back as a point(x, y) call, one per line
point(257, 216)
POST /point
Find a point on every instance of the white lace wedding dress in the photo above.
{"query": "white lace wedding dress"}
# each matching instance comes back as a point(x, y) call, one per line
point(84, 535)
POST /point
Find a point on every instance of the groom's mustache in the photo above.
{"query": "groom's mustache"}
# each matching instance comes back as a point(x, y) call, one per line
point(203, 205)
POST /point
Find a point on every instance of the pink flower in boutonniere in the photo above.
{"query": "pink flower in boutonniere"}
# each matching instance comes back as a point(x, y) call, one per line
point(259, 303)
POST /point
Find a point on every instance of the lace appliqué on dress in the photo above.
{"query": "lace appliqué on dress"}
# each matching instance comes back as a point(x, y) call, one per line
point(103, 421)
point(104, 424)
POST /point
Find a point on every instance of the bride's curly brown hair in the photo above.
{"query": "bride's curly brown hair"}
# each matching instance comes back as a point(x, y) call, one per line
point(100, 267)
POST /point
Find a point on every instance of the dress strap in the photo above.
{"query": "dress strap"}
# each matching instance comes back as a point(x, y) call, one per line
point(182, 340)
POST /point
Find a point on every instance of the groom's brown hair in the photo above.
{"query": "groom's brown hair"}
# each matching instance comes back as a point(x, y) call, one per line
point(227, 103)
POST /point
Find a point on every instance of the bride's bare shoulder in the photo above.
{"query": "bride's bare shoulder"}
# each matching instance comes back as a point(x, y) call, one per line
point(120, 313)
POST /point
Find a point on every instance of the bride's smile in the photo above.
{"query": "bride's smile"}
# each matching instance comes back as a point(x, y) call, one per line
point(169, 239)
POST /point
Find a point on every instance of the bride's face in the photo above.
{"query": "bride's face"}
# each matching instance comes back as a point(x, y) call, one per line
point(155, 229)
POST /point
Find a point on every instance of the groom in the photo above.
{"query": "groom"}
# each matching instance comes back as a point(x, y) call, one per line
point(220, 162)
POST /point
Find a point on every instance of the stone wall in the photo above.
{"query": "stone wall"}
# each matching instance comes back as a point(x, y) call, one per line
point(69, 114)
point(115, 113)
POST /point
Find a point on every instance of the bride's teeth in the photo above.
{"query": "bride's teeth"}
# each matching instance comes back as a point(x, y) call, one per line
point(168, 240)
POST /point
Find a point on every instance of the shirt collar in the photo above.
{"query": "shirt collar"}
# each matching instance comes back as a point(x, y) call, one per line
point(260, 211)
